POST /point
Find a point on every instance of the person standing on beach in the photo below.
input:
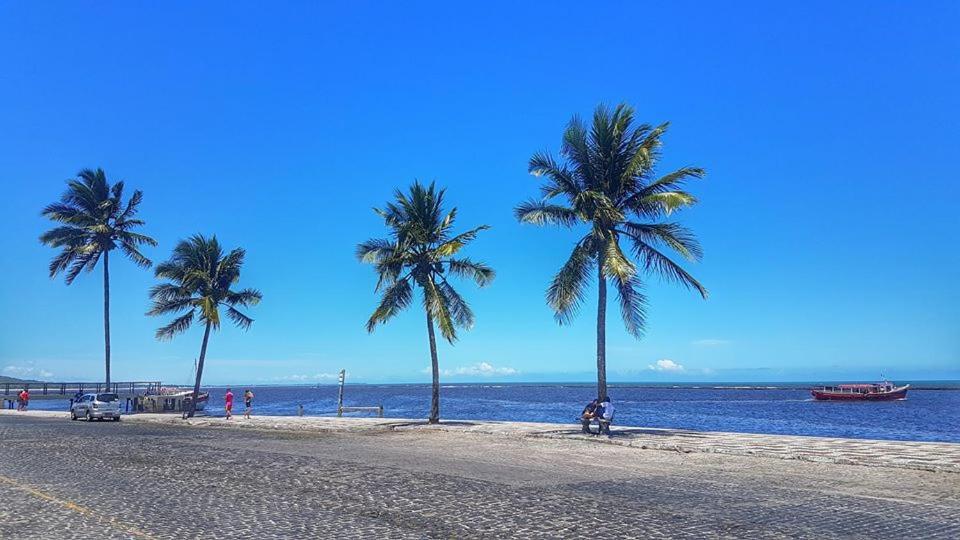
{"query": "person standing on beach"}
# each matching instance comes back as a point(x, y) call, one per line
point(228, 403)
point(247, 403)
point(24, 400)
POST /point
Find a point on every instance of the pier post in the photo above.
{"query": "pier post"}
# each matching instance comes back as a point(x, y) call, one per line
point(343, 375)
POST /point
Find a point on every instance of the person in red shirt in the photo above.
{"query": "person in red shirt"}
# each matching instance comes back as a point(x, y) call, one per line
point(228, 403)
point(24, 400)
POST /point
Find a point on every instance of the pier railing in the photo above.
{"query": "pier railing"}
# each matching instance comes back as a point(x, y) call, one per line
point(69, 389)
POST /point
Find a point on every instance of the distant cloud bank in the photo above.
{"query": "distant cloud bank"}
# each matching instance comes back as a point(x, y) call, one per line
point(27, 371)
point(480, 369)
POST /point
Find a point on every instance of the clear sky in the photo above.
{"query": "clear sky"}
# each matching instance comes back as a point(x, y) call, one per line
point(829, 217)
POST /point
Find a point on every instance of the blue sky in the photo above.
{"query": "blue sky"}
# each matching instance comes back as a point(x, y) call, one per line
point(829, 216)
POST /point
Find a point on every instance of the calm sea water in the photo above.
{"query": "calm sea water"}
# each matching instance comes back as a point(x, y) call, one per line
point(927, 414)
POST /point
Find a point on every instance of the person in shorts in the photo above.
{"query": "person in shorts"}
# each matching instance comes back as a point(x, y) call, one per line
point(24, 400)
point(228, 403)
point(247, 403)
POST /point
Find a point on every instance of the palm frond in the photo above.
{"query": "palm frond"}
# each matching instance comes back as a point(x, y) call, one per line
point(460, 311)
point(131, 251)
point(166, 292)
point(172, 305)
point(67, 235)
point(566, 291)
point(436, 304)
point(663, 203)
point(672, 235)
point(395, 299)
point(67, 213)
point(658, 263)
point(542, 213)
point(209, 310)
point(137, 239)
point(560, 180)
point(456, 243)
point(61, 261)
point(674, 181)
point(245, 297)
point(375, 250)
point(632, 305)
point(615, 264)
point(177, 326)
point(85, 258)
point(131, 208)
point(241, 320)
point(479, 272)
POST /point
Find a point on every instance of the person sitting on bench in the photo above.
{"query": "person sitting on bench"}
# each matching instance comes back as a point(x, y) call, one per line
point(588, 415)
point(605, 415)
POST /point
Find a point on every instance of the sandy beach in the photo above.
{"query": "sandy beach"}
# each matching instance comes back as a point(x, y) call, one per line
point(156, 476)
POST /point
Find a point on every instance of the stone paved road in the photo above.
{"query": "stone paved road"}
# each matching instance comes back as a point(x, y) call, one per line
point(130, 480)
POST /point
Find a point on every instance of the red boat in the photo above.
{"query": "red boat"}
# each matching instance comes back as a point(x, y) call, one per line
point(885, 391)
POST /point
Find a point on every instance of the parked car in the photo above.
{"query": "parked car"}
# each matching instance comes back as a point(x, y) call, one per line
point(99, 406)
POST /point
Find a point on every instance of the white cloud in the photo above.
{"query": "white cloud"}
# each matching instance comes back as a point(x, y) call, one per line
point(27, 371)
point(710, 342)
point(480, 369)
point(666, 365)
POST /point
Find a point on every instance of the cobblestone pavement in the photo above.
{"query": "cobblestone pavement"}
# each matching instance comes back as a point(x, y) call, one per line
point(929, 456)
point(63, 479)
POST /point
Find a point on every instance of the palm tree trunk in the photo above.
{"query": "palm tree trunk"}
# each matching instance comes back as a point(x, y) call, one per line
point(601, 333)
point(106, 314)
point(196, 384)
point(435, 365)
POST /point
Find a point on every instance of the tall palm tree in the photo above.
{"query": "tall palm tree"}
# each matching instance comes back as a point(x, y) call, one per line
point(607, 181)
point(95, 222)
point(200, 277)
point(421, 251)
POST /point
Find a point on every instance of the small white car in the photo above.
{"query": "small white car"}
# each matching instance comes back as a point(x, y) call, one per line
point(99, 406)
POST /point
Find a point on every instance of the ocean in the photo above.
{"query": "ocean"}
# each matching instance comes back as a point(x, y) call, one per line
point(931, 411)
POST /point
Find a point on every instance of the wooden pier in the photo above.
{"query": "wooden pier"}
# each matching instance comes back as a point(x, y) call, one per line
point(67, 390)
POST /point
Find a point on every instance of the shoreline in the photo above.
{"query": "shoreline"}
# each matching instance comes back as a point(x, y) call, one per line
point(917, 455)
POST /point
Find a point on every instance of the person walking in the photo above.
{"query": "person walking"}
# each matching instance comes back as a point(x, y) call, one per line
point(247, 403)
point(228, 403)
point(24, 400)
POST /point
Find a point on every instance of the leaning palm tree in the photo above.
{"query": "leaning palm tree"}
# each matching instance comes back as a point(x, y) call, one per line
point(608, 182)
point(421, 251)
point(200, 277)
point(94, 221)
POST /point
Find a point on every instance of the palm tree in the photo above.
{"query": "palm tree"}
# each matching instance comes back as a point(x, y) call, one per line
point(95, 222)
point(200, 277)
point(607, 181)
point(421, 251)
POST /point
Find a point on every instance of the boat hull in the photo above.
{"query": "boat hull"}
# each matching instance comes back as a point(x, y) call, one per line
point(893, 395)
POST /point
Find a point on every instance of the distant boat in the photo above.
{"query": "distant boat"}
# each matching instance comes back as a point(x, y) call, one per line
point(885, 391)
point(184, 395)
